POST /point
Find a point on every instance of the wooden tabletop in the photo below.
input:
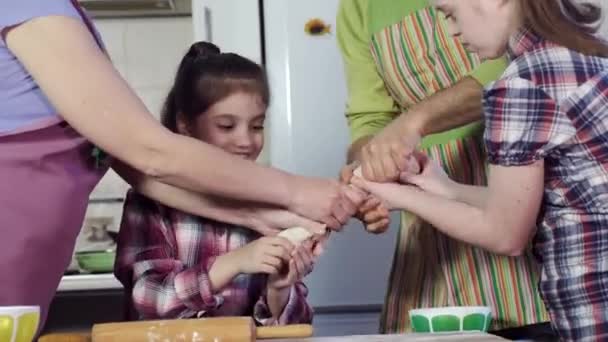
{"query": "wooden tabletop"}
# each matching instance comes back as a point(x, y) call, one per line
point(474, 337)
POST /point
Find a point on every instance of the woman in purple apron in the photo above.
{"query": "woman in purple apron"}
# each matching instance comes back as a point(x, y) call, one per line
point(58, 91)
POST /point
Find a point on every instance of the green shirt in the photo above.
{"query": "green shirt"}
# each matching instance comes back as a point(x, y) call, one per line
point(370, 107)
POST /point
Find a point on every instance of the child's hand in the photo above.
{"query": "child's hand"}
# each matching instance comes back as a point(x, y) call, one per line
point(265, 255)
point(391, 194)
point(432, 179)
point(374, 215)
point(300, 265)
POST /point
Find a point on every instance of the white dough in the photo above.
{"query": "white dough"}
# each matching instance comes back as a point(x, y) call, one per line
point(296, 235)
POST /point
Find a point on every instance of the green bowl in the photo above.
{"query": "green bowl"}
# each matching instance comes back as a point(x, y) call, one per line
point(451, 319)
point(96, 261)
point(18, 323)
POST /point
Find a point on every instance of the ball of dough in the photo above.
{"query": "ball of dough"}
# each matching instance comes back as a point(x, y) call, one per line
point(296, 235)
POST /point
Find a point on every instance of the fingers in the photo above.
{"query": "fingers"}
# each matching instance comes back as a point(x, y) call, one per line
point(387, 192)
point(375, 215)
point(271, 265)
point(378, 227)
point(303, 260)
point(319, 246)
point(362, 184)
point(348, 205)
point(370, 203)
point(352, 199)
point(412, 165)
point(346, 173)
point(332, 223)
point(370, 169)
point(340, 215)
point(279, 247)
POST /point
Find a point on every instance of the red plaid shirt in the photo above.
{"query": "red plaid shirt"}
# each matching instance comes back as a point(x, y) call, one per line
point(552, 104)
point(162, 261)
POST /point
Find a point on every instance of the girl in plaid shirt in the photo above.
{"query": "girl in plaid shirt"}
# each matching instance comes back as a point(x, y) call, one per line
point(547, 141)
point(175, 265)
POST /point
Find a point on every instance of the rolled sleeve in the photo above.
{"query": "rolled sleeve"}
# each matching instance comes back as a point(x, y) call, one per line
point(296, 311)
point(523, 123)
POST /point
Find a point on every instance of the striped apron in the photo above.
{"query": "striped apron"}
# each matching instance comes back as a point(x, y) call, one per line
point(416, 57)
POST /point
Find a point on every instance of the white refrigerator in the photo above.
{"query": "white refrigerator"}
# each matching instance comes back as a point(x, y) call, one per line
point(308, 135)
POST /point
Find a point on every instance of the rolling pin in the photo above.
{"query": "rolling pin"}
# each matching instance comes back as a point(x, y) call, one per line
point(217, 329)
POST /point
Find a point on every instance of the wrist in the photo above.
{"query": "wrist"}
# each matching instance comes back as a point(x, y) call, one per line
point(413, 122)
point(295, 202)
point(273, 291)
point(453, 190)
point(230, 262)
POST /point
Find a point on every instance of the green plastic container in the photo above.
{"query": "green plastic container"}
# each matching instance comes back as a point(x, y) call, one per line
point(96, 261)
point(451, 319)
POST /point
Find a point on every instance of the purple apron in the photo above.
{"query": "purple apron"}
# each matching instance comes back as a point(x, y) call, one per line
point(46, 177)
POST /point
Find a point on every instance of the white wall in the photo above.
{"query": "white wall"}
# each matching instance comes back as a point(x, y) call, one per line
point(146, 52)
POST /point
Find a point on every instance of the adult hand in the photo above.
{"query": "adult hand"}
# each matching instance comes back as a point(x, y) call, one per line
point(388, 153)
point(325, 200)
point(372, 213)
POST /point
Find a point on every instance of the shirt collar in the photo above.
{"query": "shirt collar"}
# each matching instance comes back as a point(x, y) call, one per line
point(522, 41)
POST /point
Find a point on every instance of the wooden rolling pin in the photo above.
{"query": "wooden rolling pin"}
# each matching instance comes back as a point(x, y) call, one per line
point(65, 337)
point(217, 329)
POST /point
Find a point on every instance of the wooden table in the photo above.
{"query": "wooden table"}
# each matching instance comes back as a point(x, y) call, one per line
point(474, 337)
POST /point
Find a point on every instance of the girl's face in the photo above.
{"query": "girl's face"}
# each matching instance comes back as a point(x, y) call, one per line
point(483, 26)
point(234, 124)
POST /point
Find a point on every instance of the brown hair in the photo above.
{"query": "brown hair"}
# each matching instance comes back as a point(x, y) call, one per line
point(566, 23)
point(206, 76)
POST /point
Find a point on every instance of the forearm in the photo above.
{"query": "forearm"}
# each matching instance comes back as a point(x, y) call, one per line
point(277, 300)
point(194, 203)
point(222, 272)
point(100, 105)
point(476, 196)
point(447, 109)
point(465, 222)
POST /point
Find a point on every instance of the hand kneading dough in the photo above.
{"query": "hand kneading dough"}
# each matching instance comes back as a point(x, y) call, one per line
point(296, 235)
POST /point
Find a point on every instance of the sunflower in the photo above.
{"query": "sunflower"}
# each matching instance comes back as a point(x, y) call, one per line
point(317, 27)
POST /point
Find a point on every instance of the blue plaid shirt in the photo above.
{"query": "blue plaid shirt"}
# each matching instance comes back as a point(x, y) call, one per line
point(552, 104)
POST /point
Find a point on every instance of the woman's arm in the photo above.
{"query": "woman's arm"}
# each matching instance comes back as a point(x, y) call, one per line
point(263, 219)
point(81, 83)
point(501, 220)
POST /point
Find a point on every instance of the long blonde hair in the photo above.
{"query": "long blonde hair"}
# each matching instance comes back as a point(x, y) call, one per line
point(567, 23)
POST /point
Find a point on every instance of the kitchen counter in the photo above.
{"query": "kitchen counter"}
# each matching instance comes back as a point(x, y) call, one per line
point(474, 337)
point(89, 282)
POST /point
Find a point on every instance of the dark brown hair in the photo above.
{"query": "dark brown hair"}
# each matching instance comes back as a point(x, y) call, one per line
point(206, 76)
point(566, 23)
